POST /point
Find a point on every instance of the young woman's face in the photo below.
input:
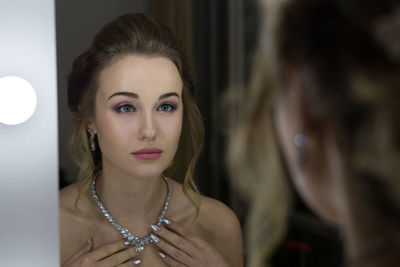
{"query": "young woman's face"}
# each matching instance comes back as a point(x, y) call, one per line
point(138, 115)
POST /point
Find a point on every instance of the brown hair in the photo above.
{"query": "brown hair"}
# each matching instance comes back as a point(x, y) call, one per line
point(350, 62)
point(137, 34)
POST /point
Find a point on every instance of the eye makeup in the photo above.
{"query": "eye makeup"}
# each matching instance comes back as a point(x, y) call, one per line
point(167, 107)
point(124, 108)
point(128, 107)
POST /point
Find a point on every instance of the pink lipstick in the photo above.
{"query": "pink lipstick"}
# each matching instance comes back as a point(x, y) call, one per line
point(147, 153)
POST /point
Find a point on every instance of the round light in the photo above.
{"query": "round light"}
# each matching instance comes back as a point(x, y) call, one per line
point(17, 100)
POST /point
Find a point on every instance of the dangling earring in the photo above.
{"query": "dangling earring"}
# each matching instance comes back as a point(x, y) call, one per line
point(91, 139)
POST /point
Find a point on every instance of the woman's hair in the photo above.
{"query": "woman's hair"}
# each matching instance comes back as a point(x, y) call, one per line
point(348, 57)
point(132, 34)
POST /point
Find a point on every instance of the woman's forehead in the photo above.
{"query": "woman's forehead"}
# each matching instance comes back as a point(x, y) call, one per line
point(145, 76)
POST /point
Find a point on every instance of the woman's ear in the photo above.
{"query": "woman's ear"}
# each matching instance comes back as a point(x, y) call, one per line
point(292, 118)
point(90, 124)
point(305, 140)
point(307, 132)
point(297, 102)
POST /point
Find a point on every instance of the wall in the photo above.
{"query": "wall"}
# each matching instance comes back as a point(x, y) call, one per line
point(28, 151)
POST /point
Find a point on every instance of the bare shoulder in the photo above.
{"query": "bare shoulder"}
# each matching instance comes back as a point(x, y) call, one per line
point(215, 220)
point(219, 220)
point(214, 212)
point(67, 197)
point(68, 194)
point(221, 227)
point(73, 224)
point(216, 223)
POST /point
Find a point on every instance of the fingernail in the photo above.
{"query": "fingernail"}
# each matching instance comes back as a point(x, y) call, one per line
point(139, 249)
point(127, 243)
point(166, 221)
point(155, 227)
point(90, 240)
point(162, 255)
point(138, 261)
point(154, 238)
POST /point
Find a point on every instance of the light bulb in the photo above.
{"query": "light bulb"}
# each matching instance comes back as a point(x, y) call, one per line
point(17, 100)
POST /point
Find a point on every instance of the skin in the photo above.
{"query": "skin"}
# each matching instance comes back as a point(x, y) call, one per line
point(148, 114)
point(314, 176)
point(133, 105)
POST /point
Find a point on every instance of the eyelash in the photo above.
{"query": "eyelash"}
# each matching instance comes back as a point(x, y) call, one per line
point(120, 108)
point(171, 107)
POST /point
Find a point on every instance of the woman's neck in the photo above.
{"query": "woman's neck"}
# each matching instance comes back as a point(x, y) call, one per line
point(128, 197)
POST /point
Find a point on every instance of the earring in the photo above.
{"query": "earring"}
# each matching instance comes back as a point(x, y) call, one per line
point(91, 139)
point(300, 140)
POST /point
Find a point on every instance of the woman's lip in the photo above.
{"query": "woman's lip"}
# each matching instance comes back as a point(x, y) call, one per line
point(147, 156)
point(148, 153)
point(151, 150)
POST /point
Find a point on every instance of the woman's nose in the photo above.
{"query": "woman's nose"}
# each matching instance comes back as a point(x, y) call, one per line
point(147, 130)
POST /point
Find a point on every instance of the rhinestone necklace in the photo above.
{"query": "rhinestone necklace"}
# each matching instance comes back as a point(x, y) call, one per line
point(131, 240)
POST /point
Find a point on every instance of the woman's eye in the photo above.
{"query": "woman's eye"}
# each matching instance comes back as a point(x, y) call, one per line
point(126, 108)
point(166, 108)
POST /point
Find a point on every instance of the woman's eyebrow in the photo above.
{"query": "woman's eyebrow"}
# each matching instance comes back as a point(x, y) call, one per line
point(129, 94)
point(133, 95)
point(168, 95)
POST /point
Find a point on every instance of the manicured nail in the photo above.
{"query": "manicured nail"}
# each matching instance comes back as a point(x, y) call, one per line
point(162, 255)
point(155, 227)
point(139, 249)
point(154, 238)
point(89, 241)
point(138, 261)
point(166, 221)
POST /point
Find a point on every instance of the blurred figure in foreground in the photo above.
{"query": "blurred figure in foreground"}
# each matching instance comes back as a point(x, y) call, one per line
point(324, 98)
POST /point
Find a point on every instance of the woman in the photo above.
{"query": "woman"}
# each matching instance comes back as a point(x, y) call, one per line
point(137, 127)
point(326, 88)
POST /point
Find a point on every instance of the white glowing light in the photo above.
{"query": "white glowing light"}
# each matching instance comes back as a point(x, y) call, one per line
point(17, 100)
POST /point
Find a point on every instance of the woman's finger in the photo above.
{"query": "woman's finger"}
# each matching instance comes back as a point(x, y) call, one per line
point(124, 256)
point(202, 253)
point(82, 251)
point(177, 240)
point(107, 250)
point(169, 261)
point(131, 263)
point(188, 235)
point(179, 251)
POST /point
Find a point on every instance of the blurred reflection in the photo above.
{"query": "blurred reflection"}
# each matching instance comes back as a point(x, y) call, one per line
point(324, 97)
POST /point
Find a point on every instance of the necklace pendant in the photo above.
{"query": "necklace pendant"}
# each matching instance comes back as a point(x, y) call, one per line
point(139, 249)
point(133, 240)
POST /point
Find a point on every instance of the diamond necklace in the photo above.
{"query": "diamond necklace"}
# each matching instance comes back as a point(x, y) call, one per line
point(131, 240)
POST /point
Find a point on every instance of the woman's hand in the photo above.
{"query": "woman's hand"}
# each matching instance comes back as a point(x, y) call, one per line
point(182, 248)
point(112, 254)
